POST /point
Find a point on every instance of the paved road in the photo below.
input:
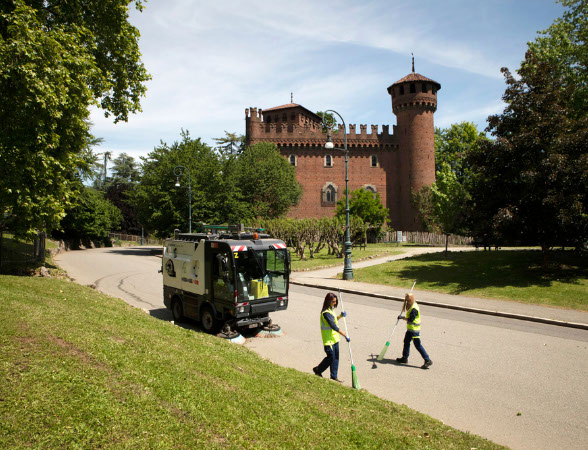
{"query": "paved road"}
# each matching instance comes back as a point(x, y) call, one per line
point(486, 369)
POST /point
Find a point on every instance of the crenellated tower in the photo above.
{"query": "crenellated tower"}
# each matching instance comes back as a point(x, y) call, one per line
point(414, 101)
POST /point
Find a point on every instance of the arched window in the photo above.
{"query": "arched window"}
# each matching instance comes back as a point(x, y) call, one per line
point(424, 87)
point(329, 194)
point(370, 188)
point(401, 90)
point(328, 161)
point(374, 161)
point(293, 160)
point(412, 88)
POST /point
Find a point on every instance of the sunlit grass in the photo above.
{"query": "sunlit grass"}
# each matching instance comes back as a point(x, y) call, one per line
point(323, 259)
point(509, 274)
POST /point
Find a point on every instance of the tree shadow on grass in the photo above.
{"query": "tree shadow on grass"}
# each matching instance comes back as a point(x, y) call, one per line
point(462, 272)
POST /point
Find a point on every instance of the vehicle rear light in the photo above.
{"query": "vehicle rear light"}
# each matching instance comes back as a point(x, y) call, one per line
point(282, 302)
point(241, 307)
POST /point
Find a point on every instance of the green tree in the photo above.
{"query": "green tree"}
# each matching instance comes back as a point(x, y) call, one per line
point(161, 206)
point(453, 144)
point(231, 144)
point(125, 170)
point(564, 47)
point(367, 206)
point(89, 221)
point(56, 60)
point(531, 183)
point(442, 206)
point(118, 188)
point(449, 198)
point(267, 181)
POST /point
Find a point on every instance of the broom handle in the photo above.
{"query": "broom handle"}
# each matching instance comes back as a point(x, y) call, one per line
point(346, 330)
point(401, 311)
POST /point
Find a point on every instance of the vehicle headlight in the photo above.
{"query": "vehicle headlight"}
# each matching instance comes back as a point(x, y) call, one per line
point(241, 309)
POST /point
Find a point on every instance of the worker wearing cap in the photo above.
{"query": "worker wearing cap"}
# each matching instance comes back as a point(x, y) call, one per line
point(413, 331)
point(330, 332)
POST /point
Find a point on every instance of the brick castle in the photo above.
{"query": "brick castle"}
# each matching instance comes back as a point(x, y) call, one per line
point(391, 164)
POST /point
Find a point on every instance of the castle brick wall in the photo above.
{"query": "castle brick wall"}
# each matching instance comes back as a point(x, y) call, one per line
point(405, 156)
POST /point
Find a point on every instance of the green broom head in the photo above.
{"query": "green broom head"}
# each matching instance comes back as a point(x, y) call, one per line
point(354, 379)
point(383, 352)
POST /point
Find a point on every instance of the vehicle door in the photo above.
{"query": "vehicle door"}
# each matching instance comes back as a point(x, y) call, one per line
point(222, 279)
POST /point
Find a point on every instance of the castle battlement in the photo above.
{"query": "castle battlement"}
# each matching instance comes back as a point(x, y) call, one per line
point(289, 133)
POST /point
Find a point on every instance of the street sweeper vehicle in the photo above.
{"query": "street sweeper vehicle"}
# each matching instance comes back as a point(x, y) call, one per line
point(226, 277)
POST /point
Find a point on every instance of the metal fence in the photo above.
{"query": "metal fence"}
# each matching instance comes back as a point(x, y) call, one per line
point(141, 240)
point(425, 238)
point(14, 251)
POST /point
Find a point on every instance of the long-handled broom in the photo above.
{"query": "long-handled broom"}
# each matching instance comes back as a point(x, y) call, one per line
point(385, 349)
point(354, 379)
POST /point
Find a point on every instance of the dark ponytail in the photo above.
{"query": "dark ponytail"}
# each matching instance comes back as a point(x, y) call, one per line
point(327, 302)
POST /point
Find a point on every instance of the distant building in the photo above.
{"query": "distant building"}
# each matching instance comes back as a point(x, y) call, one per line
point(391, 164)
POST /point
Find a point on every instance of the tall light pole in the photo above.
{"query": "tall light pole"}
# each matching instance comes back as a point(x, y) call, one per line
point(177, 172)
point(329, 122)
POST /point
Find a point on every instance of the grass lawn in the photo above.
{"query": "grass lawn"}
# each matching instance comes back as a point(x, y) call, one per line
point(322, 260)
point(509, 274)
point(81, 369)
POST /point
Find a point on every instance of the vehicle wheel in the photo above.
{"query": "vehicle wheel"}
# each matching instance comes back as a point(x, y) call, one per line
point(177, 311)
point(208, 321)
point(272, 327)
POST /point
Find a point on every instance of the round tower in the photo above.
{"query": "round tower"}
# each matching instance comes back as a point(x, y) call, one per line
point(414, 100)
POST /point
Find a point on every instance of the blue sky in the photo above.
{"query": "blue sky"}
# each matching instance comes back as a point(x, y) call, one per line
point(212, 59)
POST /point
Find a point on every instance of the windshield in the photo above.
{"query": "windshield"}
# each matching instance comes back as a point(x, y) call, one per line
point(261, 274)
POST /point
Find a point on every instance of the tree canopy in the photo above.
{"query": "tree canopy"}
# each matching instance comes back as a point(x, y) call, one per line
point(91, 219)
point(56, 60)
point(531, 182)
point(267, 181)
point(256, 184)
point(367, 206)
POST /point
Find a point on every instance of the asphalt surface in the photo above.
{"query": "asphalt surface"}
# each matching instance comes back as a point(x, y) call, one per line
point(517, 382)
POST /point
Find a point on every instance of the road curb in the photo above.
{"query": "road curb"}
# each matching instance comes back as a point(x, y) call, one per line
point(487, 312)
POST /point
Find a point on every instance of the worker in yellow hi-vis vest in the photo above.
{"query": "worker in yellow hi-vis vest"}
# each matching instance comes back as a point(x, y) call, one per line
point(330, 332)
point(413, 331)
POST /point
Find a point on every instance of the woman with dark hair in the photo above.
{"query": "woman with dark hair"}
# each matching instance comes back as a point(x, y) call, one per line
point(330, 333)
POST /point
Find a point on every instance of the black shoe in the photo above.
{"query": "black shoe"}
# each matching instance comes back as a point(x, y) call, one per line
point(427, 364)
point(401, 360)
point(336, 379)
point(316, 372)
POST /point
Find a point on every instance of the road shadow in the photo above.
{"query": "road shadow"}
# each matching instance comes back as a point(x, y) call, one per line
point(389, 361)
point(136, 251)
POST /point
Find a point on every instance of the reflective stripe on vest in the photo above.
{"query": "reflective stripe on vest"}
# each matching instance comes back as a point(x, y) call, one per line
point(329, 335)
point(416, 325)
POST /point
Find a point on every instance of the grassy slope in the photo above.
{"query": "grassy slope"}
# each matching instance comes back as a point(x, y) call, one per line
point(81, 369)
point(511, 275)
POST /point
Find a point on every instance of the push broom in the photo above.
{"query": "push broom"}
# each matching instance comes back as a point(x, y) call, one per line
point(354, 379)
point(385, 349)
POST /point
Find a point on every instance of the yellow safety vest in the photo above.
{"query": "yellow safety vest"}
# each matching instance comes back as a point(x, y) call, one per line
point(416, 325)
point(329, 335)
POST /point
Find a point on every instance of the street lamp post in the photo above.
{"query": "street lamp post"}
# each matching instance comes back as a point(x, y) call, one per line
point(329, 122)
point(177, 172)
